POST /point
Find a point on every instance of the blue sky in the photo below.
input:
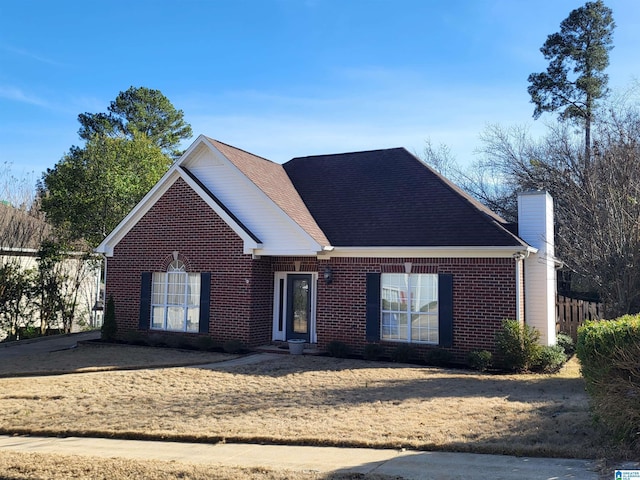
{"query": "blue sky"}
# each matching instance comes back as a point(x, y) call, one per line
point(285, 78)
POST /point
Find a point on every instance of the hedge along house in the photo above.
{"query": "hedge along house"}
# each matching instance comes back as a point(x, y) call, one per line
point(357, 247)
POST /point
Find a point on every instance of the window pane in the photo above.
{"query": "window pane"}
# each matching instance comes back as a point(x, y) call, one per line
point(395, 292)
point(193, 319)
point(403, 324)
point(157, 317)
point(193, 297)
point(394, 326)
point(389, 326)
point(158, 288)
point(424, 328)
point(176, 287)
point(176, 266)
point(424, 293)
point(175, 318)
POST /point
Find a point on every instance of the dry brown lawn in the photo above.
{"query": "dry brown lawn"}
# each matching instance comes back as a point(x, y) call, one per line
point(23, 466)
point(303, 400)
point(94, 357)
point(291, 399)
point(19, 466)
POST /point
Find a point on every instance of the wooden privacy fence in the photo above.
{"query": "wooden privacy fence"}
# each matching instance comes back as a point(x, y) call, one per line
point(571, 313)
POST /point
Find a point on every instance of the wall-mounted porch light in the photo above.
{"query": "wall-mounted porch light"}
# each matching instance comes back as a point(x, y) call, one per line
point(328, 275)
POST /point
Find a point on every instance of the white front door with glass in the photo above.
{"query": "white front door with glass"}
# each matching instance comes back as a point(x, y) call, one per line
point(294, 306)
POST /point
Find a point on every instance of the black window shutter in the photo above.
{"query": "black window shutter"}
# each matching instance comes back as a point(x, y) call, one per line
point(373, 307)
point(205, 297)
point(445, 309)
point(145, 301)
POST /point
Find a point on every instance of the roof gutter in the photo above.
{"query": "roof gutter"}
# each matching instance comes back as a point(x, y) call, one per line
point(429, 252)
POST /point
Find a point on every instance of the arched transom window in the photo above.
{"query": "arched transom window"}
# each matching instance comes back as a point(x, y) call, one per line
point(175, 302)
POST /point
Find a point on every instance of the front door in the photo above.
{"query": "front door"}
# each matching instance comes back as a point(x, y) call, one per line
point(298, 306)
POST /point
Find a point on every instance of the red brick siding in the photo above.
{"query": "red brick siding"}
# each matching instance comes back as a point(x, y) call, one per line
point(483, 295)
point(181, 221)
point(242, 288)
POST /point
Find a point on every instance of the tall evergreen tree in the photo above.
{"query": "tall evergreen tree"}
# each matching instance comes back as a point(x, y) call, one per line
point(92, 188)
point(139, 110)
point(575, 78)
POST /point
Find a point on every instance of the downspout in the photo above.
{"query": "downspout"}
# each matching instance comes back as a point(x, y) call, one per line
point(97, 299)
point(519, 257)
point(104, 292)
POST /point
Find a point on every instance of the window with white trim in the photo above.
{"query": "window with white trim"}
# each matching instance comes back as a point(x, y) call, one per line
point(409, 307)
point(175, 299)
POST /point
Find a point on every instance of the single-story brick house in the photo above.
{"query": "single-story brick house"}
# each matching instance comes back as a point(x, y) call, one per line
point(358, 247)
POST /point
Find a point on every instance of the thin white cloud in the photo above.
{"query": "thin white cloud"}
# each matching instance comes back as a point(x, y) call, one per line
point(18, 95)
point(33, 56)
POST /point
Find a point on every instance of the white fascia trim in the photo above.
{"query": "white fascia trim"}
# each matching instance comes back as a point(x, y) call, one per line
point(194, 146)
point(427, 252)
point(315, 246)
point(168, 179)
point(108, 244)
point(284, 252)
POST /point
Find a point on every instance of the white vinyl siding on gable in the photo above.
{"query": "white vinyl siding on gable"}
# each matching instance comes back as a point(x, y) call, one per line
point(409, 308)
point(275, 229)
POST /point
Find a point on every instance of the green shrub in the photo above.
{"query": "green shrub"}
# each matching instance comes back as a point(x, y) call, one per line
point(159, 340)
point(550, 359)
point(232, 346)
point(187, 343)
point(480, 360)
point(566, 342)
point(403, 353)
point(135, 338)
point(338, 349)
point(609, 351)
point(372, 351)
point(173, 340)
point(109, 325)
point(517, 346)
point(29, 332)
point(206, 343)
point(438, 357)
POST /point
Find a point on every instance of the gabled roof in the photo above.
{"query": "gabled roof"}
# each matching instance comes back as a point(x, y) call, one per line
point(254, 196)
point(391, 198)
point(271, 178)
point(373, 199)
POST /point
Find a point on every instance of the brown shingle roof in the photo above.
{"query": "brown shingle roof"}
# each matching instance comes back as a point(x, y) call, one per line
point(390, 198)
point(271, 178)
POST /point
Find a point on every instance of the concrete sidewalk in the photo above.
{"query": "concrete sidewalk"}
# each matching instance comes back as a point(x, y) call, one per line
point(406, 463)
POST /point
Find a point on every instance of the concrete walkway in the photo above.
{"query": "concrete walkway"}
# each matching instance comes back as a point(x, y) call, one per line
point(53, 343)
point(407, 464)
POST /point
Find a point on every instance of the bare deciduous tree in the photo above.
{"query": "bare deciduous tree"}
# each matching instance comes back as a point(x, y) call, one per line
point(21, 223)
point(597, 206)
